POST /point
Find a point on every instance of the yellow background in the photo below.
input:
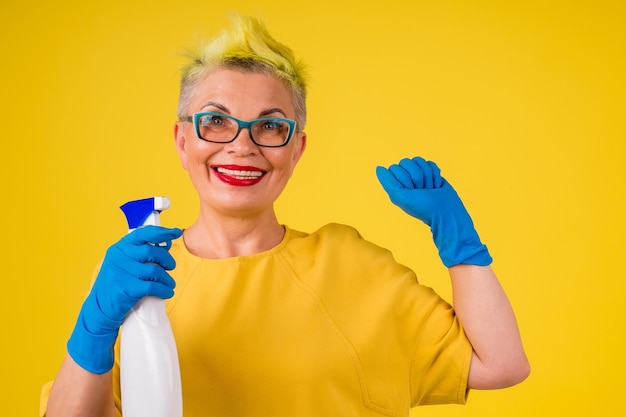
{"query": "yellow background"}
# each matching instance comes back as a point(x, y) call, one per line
point(521, 103)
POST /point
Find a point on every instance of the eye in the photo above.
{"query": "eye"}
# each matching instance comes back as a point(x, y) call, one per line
point(272, 124)
point(211, 120)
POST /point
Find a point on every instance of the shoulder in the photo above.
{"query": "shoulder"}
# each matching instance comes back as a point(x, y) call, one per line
point(341, 246)
point(329, 235)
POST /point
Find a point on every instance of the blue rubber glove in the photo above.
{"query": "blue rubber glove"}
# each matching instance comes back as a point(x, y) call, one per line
point(417, 187)
point(133, 268)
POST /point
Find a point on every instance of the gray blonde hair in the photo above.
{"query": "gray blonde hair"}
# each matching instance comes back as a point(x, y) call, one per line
point(247, 47)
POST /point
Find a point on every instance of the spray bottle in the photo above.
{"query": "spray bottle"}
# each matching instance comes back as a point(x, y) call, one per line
point(149, 370)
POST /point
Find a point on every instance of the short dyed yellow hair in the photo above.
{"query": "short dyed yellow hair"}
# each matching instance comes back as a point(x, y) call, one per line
point(249, 47)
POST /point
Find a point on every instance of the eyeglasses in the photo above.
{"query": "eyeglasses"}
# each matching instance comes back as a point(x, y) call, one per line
point(272, 132)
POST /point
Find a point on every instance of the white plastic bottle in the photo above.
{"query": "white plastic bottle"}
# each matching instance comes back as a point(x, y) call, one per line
point(149, 369)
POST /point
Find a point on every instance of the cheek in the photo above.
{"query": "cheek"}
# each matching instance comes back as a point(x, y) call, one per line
point(281, 162)
point(189, 150)
point(198, 152)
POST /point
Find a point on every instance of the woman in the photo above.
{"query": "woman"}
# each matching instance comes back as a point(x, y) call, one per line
point(272, 321)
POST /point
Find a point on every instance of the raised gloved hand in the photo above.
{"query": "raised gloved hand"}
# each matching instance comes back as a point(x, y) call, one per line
point(417, 187)
point(133, 268)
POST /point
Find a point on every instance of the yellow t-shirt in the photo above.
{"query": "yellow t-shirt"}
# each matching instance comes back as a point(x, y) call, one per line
point(324, 324)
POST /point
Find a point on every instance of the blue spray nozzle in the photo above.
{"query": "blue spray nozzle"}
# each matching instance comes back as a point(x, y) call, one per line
point(138, 211)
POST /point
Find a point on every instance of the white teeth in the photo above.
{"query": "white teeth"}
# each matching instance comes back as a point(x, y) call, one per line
point(239, 173)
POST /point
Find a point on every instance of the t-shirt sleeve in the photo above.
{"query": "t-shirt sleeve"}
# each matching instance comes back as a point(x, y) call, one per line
point(117, 394)
point(441, 360)
point(418, 333)
point(43, 400)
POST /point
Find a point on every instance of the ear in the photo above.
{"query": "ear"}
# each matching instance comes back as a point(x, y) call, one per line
point(300, 147)
point(180, 142)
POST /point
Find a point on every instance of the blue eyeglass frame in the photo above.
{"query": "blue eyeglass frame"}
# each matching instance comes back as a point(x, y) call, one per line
point(241, 124)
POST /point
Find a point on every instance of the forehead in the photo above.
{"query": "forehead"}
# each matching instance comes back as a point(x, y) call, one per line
point(241, 91)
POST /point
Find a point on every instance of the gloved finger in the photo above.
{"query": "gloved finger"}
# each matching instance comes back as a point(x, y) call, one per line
point(427, 172)
point(415, 172)
point(152, 234)
point(402, 175)
point(387, 179)
point(152, 273)
point(117, 290)
point(436, 173)
point(155, 289)
point(157, 255)
point(121, 254)
point(118, 307)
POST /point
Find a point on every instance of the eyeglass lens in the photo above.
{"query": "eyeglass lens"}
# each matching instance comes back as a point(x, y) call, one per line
point(268, 132)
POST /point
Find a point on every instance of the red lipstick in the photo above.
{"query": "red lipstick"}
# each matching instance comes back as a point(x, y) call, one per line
point(238, 175)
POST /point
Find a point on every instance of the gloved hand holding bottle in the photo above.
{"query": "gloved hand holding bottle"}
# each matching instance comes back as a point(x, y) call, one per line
point(417, 187)
point(133, 268)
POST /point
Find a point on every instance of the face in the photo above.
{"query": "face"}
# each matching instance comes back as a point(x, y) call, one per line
point(239, 178)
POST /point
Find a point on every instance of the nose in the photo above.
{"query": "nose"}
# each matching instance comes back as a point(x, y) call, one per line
point(242, 144)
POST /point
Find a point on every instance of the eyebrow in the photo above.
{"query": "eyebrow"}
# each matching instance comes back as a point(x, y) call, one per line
point(215, 104)
point(223, 108)
point(270, 111)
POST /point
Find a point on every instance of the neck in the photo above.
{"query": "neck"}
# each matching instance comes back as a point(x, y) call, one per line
point(216, 236)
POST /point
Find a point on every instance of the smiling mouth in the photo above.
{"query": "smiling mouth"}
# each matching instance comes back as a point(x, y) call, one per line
point(238, 176)
point(239, 173)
